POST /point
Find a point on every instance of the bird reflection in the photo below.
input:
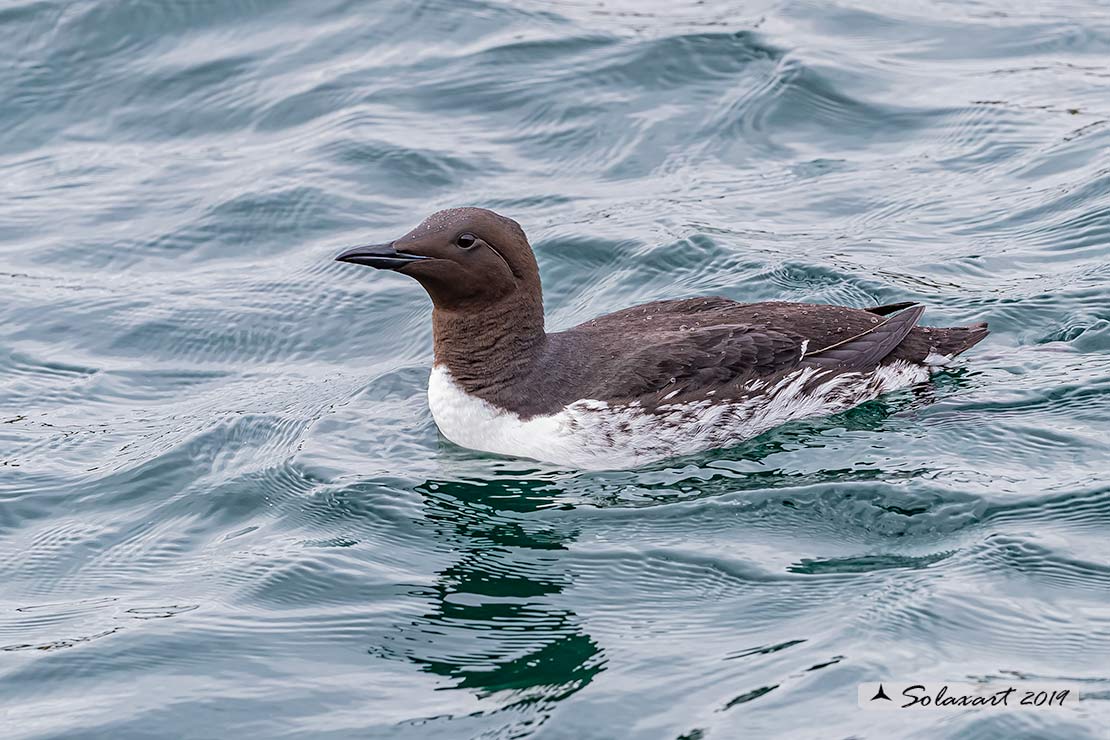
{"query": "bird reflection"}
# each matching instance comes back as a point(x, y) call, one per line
point(496, 623)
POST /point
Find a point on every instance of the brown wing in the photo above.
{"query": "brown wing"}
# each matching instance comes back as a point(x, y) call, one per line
point(684, 366)
point(687, 365)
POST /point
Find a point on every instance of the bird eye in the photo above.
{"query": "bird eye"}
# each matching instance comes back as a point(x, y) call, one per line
point(466, 241)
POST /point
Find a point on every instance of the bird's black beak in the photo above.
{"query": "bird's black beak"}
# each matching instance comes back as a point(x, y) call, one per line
point(381, 256)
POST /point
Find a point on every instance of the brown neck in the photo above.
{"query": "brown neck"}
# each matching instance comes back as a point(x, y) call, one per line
point(489, 350)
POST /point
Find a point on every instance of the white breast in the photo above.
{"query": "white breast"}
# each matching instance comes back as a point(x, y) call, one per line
point(592, 434)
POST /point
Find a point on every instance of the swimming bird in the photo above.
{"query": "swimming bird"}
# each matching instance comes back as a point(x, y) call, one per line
point(643, 384)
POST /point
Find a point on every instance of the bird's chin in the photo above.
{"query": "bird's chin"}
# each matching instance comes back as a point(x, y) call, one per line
point(425, 268)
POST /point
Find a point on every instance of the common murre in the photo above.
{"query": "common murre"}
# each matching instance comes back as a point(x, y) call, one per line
point(646, 383)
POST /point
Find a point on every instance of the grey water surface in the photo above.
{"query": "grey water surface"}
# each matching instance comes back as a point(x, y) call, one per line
point(225, 510)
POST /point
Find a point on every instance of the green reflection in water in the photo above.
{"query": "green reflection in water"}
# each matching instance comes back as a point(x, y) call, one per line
point(496, 622)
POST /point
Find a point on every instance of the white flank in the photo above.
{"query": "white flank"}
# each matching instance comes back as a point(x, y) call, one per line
point(591, 434)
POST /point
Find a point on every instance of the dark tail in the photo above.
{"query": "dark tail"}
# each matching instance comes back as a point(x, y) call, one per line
point(955, 340)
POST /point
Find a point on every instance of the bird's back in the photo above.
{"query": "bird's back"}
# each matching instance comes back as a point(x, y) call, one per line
point(696, 348)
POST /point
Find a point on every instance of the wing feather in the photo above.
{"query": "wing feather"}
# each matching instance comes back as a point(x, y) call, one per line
point(688, 363)
point(866, 350)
